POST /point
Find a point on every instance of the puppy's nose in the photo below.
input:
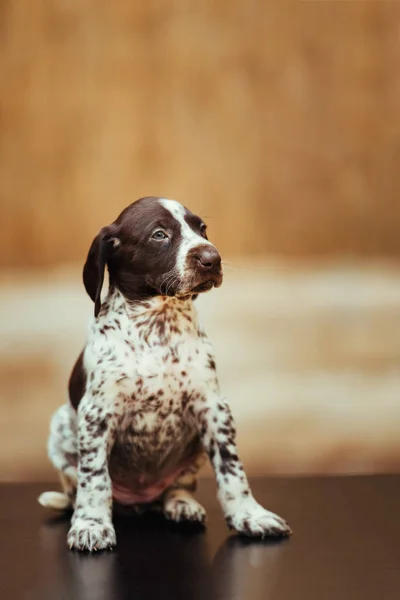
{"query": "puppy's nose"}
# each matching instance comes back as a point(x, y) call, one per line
point(208, 258)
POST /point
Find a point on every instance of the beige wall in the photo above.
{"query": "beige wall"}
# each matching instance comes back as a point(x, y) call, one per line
point(279, 121)
point(308, 356)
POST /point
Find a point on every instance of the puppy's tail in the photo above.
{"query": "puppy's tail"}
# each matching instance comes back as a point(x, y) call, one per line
point(55, 500)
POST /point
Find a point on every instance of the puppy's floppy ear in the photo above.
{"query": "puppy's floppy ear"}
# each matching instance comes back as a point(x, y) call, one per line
point(93, 271)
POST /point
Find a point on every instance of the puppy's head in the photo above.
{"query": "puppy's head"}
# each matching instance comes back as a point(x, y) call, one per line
point(155, 247)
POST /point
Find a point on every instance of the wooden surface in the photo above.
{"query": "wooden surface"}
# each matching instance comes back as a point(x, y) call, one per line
point(279, 121)
point(345, 546)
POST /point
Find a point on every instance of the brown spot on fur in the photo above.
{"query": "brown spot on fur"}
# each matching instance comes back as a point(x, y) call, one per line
point(211, 364)
point(77, 382)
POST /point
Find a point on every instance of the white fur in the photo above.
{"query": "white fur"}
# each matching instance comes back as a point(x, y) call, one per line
point(190, 239)
point(54, 500)
point(179, 505)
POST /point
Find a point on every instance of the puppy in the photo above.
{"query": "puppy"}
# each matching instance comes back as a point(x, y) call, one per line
point(145, 406)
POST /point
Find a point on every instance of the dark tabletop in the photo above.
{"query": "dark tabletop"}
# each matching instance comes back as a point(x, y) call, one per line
point(346, 545)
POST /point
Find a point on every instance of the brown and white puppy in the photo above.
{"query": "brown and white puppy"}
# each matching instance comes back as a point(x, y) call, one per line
point(145, 405)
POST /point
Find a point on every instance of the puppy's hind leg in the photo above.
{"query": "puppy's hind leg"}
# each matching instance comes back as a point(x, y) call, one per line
point(178, 501)
point(60, 500)
point(179, 505)
point(63, 455)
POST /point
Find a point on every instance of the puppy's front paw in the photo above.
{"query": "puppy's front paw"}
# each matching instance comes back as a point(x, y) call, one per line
point(251, 519)
point(184, 509)
point(91, 534)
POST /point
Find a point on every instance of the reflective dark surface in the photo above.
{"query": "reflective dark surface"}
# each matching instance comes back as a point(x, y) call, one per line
point(346, 546)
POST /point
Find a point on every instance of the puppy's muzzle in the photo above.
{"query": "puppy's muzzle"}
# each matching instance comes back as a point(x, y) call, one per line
point(208, 260)
point(204, 265)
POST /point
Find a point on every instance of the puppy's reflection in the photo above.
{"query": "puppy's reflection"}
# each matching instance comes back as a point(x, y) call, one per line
point(246, 568)
point(92, 577)
point(155, 559)
point(72, 575)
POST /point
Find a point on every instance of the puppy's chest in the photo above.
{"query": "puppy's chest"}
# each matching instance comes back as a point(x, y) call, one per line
point(155, 424)
point(159, 379)
point(162, 363)
point(164, 380)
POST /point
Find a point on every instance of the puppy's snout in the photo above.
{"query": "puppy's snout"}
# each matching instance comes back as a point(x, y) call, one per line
point(208, 259)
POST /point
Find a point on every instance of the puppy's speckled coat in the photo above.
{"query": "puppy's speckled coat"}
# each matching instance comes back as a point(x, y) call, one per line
point(145, 406)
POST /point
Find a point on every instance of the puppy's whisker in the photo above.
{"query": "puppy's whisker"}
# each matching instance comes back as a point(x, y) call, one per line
point(167, 277)
point(173, 281)
point(170, 280)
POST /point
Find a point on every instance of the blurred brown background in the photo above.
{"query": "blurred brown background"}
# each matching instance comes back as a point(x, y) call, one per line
point(277, 121)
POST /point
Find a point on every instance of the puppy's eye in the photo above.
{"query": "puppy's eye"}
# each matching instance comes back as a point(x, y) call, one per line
point(159, 235)
point(203, 229)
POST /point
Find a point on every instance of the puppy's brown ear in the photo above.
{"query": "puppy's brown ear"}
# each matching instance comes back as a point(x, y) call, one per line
point(93, 271)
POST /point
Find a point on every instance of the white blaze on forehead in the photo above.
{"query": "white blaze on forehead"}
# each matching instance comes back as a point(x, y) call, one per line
point(175, 208)
point(190, 239)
